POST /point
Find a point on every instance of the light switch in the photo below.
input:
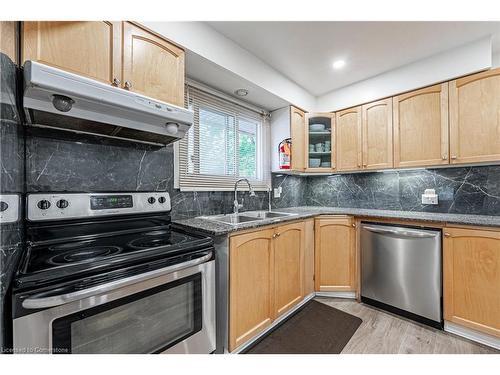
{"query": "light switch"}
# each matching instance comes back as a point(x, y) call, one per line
point(277, 192)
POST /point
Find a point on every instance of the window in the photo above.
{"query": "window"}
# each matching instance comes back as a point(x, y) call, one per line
point(226, 142)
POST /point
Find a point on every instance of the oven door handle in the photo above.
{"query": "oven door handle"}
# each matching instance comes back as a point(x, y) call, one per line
point(52, 301)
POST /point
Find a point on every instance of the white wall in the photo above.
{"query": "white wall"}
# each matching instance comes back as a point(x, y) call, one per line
point(453, 63)
point(210, 44)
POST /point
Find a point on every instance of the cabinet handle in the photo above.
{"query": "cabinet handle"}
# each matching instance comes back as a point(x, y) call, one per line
point(128, 85)
point(453, 157)
point(447, 234)
point(116, 82)
point(444, 157)
point(353, 225)
point(275, 235)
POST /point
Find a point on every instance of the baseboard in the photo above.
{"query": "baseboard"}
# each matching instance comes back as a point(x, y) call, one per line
point(482, 338)
point(273, 325)
point(351, 295)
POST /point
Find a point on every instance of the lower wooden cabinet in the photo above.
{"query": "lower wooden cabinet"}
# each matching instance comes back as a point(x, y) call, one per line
point(471, 279)
point(335, 254)
point(266, 278)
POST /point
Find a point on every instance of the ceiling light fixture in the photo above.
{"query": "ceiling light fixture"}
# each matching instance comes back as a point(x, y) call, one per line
point(339, 64)
point(241, 92)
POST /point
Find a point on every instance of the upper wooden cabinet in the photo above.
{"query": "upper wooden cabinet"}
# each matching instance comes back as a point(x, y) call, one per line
point(320, 142)
point(377, 134)
point(119, 53)
point(152, 66)
point(91, 49)
point(8, 39)
point(471, 279)
point(475, 118)
point(297, 132)
point(421, 127)
point(348, 139)
point(289, 266)
point(335, 253)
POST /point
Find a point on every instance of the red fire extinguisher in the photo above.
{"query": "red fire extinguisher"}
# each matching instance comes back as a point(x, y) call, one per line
point(285, 153)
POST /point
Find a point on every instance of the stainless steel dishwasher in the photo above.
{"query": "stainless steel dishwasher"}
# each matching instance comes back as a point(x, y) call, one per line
point(401, 271)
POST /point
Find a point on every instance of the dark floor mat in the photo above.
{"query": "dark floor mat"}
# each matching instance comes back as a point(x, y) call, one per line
point(315, 329)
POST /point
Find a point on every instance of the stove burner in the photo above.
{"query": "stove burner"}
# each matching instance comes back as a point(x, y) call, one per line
point(144, 243)
point(156, 233)
point(85, 254)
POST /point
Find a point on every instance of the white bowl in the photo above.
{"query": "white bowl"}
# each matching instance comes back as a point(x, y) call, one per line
point(314, 162)
point(317, 127)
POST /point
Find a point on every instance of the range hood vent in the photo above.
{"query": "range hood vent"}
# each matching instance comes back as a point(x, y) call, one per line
point(59, 99)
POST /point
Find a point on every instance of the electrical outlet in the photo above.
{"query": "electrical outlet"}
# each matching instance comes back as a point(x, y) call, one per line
point(277, 192)
point(429, 197)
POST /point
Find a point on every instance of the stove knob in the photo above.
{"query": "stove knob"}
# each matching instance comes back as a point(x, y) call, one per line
point(62, 203)
point(43, 204)
point(151, 200)
point(162, 200)
point(3, 206)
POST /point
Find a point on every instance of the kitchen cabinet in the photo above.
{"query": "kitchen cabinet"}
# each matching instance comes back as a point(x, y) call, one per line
point(320, 141)
point(122, 54)
point(266, 277)
point(335, 254)
point(471, 278)
point(377, 134)
point(297, 132)
point(309, 257)
point(475, 117)
point(251, 285)
point(91, 49)
point(348, 138)
point(289, 266)
point(421, 127)
point(8, 31)
point(152, 66)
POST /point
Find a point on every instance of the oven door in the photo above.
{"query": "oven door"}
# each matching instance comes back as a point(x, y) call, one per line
point(169, 310)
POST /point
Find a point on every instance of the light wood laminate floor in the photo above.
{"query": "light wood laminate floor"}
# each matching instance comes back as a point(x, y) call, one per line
point(384, 333)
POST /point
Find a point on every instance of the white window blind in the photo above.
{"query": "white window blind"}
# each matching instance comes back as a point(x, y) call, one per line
point(226, 142)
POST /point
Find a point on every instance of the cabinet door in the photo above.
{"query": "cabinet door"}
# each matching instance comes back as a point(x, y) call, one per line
point(251, 285)
point(320, 142)
point(91, 49)
point(348, 130)
point(152, 66)
point(377, 134)
point(471, 266)
point(335, 252)
point(289, 244)
point(475, 118)
point(8, 32)
point(297, 131)
point(421, 127)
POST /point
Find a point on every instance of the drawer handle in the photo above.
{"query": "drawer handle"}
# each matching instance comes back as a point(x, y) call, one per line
point(447, 234)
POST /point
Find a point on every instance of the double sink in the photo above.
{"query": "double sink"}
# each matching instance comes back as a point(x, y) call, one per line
point(247, 217)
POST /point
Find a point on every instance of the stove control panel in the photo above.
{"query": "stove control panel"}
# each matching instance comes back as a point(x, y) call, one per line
point(54, 206)
point(9, 208)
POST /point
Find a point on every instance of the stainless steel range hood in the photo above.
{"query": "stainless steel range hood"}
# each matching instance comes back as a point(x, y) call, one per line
point(59, 99)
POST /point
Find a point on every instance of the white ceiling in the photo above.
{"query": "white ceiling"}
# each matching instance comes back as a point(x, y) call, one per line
point(213, 75)
point(304, 51)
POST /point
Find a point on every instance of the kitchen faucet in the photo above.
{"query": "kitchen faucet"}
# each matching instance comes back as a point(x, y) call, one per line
point(237, 205)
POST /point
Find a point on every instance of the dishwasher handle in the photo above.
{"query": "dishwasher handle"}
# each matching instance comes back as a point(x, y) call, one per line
point(401, 232)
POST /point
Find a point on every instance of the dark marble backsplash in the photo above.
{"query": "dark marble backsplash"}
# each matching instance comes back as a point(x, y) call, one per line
point(461, 190)
point(11, 182)
point(63, 161)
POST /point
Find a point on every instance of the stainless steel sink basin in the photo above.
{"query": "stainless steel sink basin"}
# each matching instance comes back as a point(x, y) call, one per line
point(266, 214)
point(247, 217)
point(233, 219)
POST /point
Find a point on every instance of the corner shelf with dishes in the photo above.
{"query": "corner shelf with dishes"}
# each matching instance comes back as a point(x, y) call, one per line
point(320, 130)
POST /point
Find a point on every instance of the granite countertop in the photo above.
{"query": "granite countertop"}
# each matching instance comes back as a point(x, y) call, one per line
point(217, 228)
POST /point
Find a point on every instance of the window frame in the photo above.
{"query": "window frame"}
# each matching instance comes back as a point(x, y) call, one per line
point(241, 111)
